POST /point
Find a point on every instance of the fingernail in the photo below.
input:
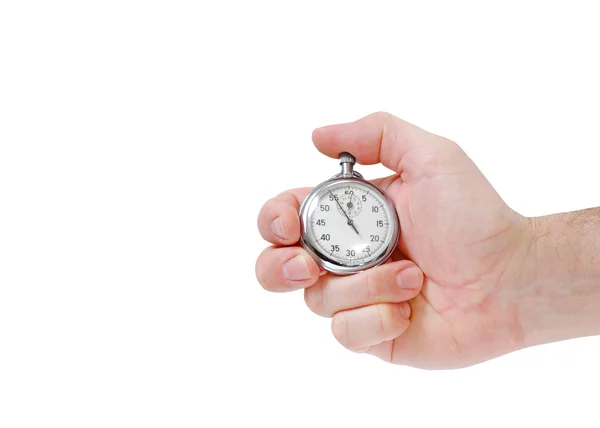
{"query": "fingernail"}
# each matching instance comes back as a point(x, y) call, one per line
point(410, 278)
point(277, 228)
point(405, 309)
point(296, 269)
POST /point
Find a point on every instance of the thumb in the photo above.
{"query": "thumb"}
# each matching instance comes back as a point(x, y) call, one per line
point(377, 138)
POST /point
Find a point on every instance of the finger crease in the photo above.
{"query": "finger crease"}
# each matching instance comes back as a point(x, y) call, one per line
point(368, 285)
point(321, 298)
point(381, 339)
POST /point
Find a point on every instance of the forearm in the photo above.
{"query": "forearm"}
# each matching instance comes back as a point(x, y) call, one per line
point(560, 294)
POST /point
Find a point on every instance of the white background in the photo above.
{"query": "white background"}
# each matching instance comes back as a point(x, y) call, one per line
point(138, 141)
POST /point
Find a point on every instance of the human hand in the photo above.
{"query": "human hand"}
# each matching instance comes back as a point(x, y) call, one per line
point(470, 246)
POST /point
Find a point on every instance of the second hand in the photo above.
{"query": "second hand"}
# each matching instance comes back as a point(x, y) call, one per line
point(350, 222)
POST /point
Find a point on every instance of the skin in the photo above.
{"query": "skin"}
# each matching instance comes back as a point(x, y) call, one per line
point(470, 280)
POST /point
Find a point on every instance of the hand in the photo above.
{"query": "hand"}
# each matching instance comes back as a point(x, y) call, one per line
point(470, 246)
point(350, 222)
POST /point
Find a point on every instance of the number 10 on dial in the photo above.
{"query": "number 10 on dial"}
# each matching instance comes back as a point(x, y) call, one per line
point(348, 224)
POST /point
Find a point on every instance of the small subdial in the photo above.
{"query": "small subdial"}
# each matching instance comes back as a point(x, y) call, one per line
point(350, 204)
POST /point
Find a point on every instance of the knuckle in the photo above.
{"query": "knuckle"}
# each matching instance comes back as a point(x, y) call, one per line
point(382, 115)
point(265, 216)
point(389, 317)
point(266, 208)
point(260, 217)
point(381, 319)
point(263, 270)
point(450, 145)
point(392, 322)
point(366, 280)
point(339, 328)
point(259, 270)
point(376, 283)
point(314, 300)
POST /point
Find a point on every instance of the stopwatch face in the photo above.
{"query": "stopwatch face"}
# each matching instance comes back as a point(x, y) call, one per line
point(349, 225)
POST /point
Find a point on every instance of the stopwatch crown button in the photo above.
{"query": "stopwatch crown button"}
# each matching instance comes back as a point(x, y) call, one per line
point(346, 157)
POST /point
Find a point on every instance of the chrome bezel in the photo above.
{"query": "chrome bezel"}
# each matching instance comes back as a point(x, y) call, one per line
point(332, 265)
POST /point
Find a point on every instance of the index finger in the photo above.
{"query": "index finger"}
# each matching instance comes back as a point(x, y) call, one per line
point(278, 220)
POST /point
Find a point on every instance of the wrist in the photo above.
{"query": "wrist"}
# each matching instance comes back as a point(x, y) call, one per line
point(559, 291)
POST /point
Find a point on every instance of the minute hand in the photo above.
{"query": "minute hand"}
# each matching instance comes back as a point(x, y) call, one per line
point(350, 222)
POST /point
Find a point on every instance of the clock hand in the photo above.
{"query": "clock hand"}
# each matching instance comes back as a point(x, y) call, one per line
point(350, 222)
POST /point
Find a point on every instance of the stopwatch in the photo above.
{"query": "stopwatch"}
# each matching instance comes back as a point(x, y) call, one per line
point(348, 224)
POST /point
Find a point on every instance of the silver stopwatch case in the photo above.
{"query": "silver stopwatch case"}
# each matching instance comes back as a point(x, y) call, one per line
point(352, 179)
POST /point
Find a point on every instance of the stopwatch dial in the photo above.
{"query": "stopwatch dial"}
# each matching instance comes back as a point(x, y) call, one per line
point(351, 224)
point(350, 204)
